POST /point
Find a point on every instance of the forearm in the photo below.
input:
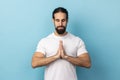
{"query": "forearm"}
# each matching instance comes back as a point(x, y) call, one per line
point(38, 62)
point(79, 61)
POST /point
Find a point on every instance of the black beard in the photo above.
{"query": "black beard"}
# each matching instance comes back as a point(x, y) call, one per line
point(60, 31)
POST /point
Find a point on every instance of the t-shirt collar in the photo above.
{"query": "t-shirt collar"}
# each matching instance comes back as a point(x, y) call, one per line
point(61, 37)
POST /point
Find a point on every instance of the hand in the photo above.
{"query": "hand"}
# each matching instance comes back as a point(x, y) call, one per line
point(58, 54)
point(61, 50)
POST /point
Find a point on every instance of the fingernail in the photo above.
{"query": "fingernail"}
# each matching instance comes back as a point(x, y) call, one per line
point(61, 41)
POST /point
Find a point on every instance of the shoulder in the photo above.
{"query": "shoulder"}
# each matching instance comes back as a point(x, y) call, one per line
point(74, 37)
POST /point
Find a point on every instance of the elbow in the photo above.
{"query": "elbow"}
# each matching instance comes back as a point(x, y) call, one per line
point(34, 64)
point(85, 65)
point(88, 65)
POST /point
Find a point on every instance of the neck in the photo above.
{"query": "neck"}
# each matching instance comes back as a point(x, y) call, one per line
point(60, 34)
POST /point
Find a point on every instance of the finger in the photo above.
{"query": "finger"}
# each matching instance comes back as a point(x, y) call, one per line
point(60, 44)
point(61, 41)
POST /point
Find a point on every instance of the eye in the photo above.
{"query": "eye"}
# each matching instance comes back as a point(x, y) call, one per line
point(57, 20)
point(63, 20)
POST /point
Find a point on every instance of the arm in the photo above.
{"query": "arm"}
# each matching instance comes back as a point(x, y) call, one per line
point(39, 59)
point(83, 60)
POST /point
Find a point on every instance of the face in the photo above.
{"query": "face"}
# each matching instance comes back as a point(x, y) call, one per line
point(60, 22)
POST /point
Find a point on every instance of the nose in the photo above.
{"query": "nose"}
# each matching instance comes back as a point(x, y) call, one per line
point(61, 23)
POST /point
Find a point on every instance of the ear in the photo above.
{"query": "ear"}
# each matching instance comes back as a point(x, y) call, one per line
point(52, 19)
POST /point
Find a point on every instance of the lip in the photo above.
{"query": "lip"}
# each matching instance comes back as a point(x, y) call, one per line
point(60, 28)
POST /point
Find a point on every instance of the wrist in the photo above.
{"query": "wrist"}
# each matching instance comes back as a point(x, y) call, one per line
point(66, 57)
point(56, 57)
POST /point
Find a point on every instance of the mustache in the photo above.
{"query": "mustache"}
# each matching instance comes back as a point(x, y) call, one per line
point(60, 26)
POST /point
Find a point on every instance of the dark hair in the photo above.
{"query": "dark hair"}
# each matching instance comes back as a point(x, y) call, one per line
point(60, 9)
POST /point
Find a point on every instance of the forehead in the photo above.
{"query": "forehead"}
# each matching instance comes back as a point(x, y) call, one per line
point(60, 15)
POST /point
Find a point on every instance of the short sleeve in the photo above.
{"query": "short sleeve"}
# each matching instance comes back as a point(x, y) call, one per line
point(81, 48)
point(41, 47)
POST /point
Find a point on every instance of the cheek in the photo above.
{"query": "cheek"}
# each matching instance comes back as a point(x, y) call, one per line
point(56, 24)
point(64, 23)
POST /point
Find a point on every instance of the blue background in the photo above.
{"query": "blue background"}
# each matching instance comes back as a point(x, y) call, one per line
point(24, 22)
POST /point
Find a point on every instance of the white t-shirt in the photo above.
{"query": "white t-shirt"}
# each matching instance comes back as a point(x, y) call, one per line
point(61, 69)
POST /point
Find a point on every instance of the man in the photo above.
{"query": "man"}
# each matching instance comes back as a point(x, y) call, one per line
point(61, 51)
